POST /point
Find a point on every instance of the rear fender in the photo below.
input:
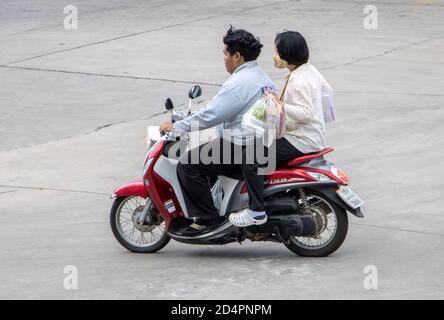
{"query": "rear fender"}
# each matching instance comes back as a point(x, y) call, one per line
point(329, 191)
point(327, 188)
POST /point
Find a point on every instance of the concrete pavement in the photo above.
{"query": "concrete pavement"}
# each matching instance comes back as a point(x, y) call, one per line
point(74, 106)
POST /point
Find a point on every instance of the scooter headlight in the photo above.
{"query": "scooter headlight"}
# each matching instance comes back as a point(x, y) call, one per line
point(147, 166)
point(147, 161)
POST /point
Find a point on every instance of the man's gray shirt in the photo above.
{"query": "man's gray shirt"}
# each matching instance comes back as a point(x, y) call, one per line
point(237, 95)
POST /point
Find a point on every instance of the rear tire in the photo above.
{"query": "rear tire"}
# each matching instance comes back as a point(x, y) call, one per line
point(125, 242)
point(334, 243)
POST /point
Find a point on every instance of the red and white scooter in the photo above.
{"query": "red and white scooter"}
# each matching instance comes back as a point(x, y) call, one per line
point(306, 201)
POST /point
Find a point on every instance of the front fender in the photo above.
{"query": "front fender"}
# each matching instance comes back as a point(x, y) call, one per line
point(131, 188)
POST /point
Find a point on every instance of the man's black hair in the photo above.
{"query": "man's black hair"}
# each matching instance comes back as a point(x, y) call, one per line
point(243, 42)
point(292, 47)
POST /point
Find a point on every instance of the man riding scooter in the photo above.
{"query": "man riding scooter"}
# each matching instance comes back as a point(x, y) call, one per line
point(239, 92)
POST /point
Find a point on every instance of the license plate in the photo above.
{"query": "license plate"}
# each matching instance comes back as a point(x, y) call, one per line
point(349, 197)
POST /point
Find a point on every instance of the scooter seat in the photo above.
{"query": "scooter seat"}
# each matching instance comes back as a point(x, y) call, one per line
point(308, 157)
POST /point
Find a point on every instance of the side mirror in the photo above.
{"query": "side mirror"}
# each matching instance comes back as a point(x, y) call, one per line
point(195, 92)
point(169, 104)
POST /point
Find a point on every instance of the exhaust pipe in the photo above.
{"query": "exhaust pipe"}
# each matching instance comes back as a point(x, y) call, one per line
point(286, 226)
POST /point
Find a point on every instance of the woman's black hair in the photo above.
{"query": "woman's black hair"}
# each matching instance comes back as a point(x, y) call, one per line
point(292, 47)
point(243, 42)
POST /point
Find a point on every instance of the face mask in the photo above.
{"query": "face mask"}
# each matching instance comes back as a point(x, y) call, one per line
point(279, 63)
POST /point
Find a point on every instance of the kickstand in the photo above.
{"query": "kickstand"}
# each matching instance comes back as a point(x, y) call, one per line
point(241, 238)
point(279, 236)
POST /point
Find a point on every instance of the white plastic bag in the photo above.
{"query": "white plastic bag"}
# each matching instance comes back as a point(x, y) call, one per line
point(266, 118)
point(328, 107)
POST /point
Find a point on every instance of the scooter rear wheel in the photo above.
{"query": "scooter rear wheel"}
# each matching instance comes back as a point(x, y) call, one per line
point(146, 238)
point(334, 229)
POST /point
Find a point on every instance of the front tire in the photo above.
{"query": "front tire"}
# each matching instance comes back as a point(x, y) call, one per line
point(136, 238)
point(308, 246)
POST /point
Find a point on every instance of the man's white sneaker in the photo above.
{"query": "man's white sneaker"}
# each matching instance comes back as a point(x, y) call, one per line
point(246, 218)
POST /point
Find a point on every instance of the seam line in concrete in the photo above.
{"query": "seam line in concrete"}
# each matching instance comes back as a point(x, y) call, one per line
point(179, 108)
point(56, 25)
point(113, 75)
point(410, 4)
point(392, 93)
point(142, 32)
point(55, 189)
point(398, 229)
point(107, 194)
point(9, 191)
point(200, 82)
point(379, 54)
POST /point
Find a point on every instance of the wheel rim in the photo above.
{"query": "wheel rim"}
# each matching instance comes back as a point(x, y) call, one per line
point(142, 236)
point(323, 212)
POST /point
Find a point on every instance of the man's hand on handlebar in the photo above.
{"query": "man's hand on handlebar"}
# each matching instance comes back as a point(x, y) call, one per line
point(166, 127)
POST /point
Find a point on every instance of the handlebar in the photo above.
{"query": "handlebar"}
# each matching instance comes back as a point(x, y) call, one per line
point(177, 116)
point(175, 136)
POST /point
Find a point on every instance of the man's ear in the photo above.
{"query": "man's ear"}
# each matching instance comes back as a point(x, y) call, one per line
point(237, 56)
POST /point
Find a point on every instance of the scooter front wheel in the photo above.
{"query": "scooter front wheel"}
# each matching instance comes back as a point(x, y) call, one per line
point(135, 236)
